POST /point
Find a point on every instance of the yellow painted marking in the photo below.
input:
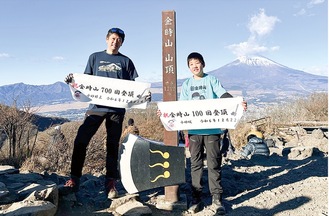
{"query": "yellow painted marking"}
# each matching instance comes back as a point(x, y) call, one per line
point(166, 174)
point(164, 165)
point(165, 155)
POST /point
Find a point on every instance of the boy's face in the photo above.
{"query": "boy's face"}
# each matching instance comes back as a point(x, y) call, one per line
point(196, 68)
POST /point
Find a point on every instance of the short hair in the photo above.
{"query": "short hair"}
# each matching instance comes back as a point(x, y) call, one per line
point(195, 55)
point(117, 31)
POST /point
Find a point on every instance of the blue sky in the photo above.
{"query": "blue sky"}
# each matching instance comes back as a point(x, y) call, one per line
point(41, 41)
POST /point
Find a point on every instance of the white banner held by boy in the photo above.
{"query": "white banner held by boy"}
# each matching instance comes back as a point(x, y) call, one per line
point(201, 114)
point(109, 92)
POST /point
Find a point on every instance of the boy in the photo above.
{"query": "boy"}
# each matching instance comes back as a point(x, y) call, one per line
point(205, 138)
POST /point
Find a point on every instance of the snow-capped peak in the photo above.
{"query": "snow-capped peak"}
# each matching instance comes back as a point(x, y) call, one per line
point(256, 61)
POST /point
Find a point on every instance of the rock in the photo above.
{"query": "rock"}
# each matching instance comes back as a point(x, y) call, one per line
point(8, 170)
point(123, 199)
point(24, 178)
point(318, 134)
point(300, 153)
point(49, 193)
point(27, 194)
point(42, 189)
point(30, 208)
point(281, 185)
point(270, 142)
point(133, 207)
point(3, 190)
point(275, 141)
point(323, 146)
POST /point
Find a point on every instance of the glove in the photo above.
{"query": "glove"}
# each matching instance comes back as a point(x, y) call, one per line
point(148, 97)
point(69, 78)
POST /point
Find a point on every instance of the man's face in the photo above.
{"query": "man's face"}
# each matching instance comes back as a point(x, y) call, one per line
point(114, 42)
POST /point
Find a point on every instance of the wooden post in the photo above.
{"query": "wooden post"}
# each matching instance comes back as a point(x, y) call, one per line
point(169, 75)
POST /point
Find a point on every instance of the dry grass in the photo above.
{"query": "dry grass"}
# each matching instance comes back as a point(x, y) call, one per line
point(56, 154)
point(314, 108)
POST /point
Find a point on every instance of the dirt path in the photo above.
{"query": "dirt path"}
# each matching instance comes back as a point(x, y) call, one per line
point(276, 186)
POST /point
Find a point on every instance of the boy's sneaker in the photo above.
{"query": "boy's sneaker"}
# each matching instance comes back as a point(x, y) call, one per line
point(196, 197)
point(110, 189)
point(196, 200)
point(71, 185)
point(196, 204)
point(217, 205)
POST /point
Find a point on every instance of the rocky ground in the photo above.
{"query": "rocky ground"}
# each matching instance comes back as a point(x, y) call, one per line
point(292, 181)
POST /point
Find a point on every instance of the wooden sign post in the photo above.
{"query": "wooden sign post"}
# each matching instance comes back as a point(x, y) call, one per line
point(169, 75)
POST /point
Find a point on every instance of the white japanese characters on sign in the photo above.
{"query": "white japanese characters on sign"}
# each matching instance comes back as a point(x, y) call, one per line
point(109, 91)
point(201, 114)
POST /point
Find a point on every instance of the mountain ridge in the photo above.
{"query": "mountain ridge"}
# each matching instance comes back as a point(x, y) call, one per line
point(257, 78)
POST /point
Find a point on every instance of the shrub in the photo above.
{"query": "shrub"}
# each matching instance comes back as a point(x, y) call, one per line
point(57, 153)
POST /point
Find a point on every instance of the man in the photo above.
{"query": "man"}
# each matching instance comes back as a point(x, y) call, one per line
point(108, 63)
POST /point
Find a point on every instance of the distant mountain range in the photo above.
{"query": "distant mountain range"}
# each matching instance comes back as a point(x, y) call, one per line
point(256, 78)
point(34, 95)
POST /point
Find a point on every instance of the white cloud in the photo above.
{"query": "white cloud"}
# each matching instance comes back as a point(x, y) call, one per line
point(301, 12)
point(260, 25)
point(58, 58)
point(246, 48)
point(314, 2)
point(275, 48)
point(310, 4)
point(4, 55)
point(323, 71)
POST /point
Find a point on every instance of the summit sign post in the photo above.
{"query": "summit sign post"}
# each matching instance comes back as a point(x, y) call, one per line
point(169, 76)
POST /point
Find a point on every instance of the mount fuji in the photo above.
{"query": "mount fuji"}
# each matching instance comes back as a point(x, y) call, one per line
point(262, 79)
point(259, 79)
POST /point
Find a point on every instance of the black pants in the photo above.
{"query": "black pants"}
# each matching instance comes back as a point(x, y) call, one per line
point(214, 162)
point(86, 131)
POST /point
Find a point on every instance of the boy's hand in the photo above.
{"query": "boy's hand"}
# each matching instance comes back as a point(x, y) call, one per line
point(244, 105)
point(159, 113)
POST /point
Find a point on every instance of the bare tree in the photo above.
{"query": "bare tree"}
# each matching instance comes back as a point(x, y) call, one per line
point(17, 126)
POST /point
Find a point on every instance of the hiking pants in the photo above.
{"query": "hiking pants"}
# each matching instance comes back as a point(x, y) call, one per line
point(197, 143)
point(86, 131)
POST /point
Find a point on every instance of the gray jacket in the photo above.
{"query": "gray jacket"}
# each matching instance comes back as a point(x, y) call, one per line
point(255, 146)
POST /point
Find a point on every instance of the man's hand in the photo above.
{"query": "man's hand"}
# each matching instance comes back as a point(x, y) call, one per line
point(69, 78)
point(148, 97)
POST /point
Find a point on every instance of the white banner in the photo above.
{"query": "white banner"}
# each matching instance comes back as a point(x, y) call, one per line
point(201, 114)
point(109, 91)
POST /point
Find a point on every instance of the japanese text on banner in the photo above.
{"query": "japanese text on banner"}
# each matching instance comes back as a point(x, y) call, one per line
point(109, 91)
point(201, 114)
